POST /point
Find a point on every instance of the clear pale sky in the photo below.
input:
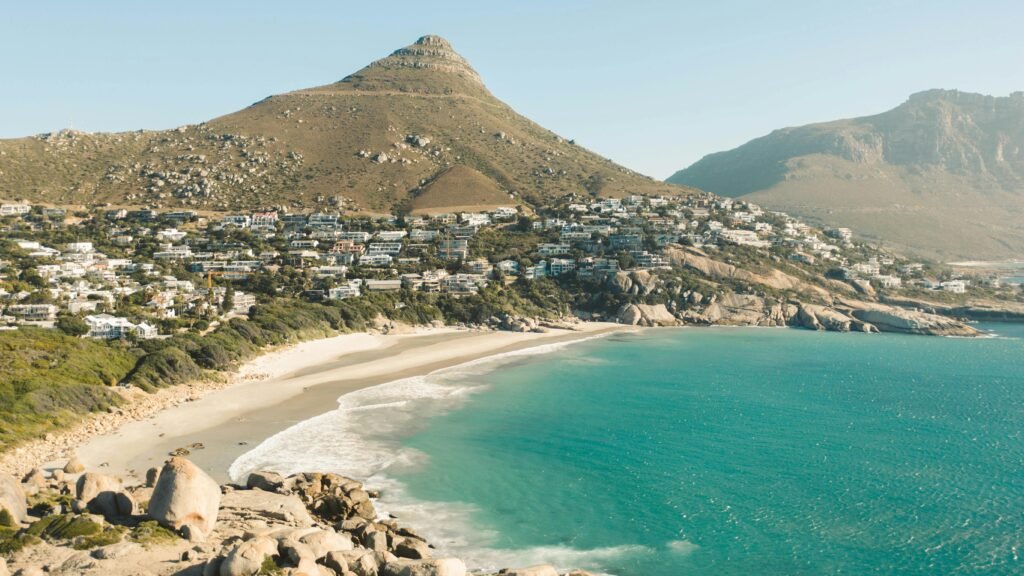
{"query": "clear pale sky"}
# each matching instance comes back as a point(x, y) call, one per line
point(652, 85)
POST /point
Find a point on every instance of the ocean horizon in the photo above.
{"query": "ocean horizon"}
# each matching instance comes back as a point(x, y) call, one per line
point(697, 451)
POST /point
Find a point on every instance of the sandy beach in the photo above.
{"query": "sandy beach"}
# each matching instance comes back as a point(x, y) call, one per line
point(282, 388)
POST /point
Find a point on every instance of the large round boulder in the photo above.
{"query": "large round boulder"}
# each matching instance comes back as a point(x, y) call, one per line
point(104, 495)
point(13, 506)
point(74, 466)
point(185, 496)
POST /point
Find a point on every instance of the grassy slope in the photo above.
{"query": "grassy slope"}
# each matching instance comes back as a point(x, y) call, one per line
point(48, 379)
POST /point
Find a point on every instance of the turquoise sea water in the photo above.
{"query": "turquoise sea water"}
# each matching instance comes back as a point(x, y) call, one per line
point(700, 451)
point(746, 451)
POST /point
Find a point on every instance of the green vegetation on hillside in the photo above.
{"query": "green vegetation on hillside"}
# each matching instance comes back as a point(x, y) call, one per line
point(48, 379)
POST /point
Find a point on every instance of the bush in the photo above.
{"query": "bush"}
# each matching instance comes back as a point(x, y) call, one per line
point(72, 326)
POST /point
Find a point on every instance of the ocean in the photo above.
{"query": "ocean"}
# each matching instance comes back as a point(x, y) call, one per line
point(699, 451)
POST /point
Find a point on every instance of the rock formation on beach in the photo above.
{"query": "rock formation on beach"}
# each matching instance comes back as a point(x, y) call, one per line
point(311, 524)
point(844, 309)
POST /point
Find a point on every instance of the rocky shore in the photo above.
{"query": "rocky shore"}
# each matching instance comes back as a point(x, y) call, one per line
point(180, 521)
point(840, 316)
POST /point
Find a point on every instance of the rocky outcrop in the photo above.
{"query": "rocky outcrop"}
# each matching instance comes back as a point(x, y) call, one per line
point(647, 315)
point(13, 507)
point(746, 310)
point(901, 320)
point(242, 507)
point(824, 318)
point(185, 498)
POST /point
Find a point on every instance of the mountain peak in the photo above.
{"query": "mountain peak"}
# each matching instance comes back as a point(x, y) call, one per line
point(429, 65)
point(433, 40)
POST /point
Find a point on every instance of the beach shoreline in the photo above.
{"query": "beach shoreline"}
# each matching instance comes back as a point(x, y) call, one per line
point(215, 422)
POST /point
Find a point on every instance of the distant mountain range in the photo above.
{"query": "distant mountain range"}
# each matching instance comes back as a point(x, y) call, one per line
point(415, 130)
point(941, 175)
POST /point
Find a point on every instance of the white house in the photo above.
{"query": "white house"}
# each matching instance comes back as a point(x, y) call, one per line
point(109, 327)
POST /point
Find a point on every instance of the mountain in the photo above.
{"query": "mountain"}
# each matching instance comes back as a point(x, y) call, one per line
point(415, 130)
point(940, 175)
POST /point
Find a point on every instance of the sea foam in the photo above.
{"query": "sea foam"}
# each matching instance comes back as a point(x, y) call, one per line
point(362, 439)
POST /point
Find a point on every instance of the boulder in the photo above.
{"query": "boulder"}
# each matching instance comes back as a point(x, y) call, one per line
point(266, 481)
point(246, 559)
point(361, 562)
point(35, 478)
point(13, 506)
point(335, 561)
point(74, 466)
point(104, 495)
point(376, 540)
point(212, 566)
point(185, 495)
point(3, 568)
point(412, 548)
point(152, 475)
point(323, 542)
point(115, 551)
point(647, 315)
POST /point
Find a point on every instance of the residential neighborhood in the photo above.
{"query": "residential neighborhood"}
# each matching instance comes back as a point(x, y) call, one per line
point(142, 274)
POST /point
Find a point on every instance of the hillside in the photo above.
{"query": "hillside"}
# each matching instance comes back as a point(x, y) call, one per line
point(370, 141)
point(941, 175)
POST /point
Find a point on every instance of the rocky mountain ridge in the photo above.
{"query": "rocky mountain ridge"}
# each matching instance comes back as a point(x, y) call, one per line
point(371, 141)
point(942, 174)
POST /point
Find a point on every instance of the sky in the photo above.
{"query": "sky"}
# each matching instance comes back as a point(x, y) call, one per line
point(652, 85)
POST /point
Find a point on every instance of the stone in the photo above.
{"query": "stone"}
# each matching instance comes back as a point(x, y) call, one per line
point(333, 560)
point(212, 566)
point(247, 558)
point(185, 494)
point(13, 506)
point(3, 568)
point(266, 481)
point(375, 540)
point(35, 478)
point(323, 542)
point(295, 551)
point(30, 571)
point(74, 466)
point(152, 475)
point(104, 495)
point(412, 548)
point(58, 475)
point(115, 551)
point(361, 562)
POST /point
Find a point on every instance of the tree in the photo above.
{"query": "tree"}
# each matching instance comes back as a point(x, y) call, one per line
point(228, 302)
point(72, 326)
